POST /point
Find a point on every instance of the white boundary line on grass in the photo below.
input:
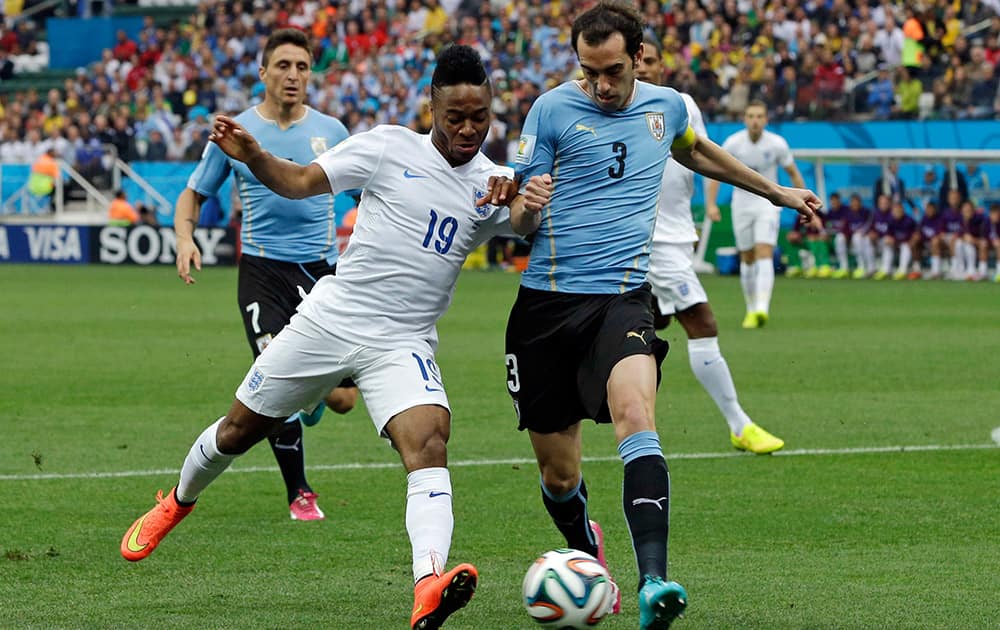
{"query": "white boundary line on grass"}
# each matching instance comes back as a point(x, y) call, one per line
point(522, 461)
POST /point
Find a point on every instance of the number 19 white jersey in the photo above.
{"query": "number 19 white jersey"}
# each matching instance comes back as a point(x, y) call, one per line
point(417, 222)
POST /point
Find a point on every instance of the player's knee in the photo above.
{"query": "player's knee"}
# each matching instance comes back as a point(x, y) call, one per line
point(631, 416)
point(342, 399)
point(237, 433)
point(559, 480)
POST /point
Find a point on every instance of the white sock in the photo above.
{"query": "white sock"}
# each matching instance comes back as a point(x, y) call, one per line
point(887, 253)
point(858, 247)
point(982, 269)
point(712, 371)
point(765, 284)
point(935, 265)
point(970, 256)
point(748, 280)
point(429, 520)
point(202, 465)
point(840, 246)
point(905, 257)
point(868, 251)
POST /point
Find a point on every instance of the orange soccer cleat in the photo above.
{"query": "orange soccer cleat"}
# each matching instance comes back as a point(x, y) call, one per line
point(149, 529)
point(435, 597)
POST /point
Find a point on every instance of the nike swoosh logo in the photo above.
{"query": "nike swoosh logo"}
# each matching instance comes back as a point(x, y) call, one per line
point(408, 175)
point(433, 389)
point(710, 362)
point(439, 494)
point(204, 454)
point(133, 539)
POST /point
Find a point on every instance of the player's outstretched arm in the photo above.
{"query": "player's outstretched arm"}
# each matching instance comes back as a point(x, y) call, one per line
point(705, 157)
point(526, 209)
point(284, 177)
point(186, 213)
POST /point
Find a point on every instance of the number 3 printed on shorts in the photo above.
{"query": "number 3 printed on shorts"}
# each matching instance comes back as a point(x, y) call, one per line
point(430, 372)
point(513, 380)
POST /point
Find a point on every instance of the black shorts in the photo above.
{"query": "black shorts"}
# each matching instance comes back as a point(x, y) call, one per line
point(561, 348)
point(268, 295)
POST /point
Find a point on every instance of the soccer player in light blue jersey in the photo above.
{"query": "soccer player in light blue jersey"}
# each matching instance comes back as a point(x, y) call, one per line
point(287, 244)
point(580, 338)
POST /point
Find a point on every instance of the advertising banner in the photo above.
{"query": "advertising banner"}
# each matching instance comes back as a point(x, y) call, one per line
point(111, 245)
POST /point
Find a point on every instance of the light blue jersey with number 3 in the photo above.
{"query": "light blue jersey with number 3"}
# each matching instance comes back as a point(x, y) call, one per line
point(606, 168)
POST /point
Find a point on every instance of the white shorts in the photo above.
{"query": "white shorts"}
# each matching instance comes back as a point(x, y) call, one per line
point(305, 361)
point(755, 226)
point(675, 284)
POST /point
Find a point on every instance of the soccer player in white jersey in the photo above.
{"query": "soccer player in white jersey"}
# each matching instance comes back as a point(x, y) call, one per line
point(580, 339)
point(676, 288)
point(287, 244)
point(427, 201)
point(756, 219)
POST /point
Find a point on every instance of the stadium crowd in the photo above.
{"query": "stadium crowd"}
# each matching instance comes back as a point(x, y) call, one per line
point(152, 97)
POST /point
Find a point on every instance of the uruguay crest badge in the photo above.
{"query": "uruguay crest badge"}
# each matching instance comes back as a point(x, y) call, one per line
point(654, 120)
point(318, 144)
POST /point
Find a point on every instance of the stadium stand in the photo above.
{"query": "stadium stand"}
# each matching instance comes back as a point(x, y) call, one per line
point(151, 90)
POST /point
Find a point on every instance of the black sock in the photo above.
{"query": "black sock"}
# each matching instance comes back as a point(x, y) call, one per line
point(646, 499)
point(569, 513)
point(289, 452)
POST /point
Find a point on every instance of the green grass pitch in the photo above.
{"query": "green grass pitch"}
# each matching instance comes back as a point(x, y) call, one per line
point(882, 512)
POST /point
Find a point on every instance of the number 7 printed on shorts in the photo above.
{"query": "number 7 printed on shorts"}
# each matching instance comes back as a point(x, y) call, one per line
point(430, 372)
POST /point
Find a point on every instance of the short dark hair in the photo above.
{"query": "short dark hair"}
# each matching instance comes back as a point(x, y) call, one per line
point(608, 17)
point(284, 36)
point(653, 43)
point(458, 64)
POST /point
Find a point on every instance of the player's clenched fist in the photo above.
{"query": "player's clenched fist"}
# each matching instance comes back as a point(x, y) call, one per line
point(537, 192)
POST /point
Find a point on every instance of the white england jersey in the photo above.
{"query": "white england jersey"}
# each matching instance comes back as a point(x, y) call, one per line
point(417, 222)
point(673, 222)
point(764, 156)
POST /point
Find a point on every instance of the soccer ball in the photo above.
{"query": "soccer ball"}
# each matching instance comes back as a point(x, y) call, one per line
point(567, 589)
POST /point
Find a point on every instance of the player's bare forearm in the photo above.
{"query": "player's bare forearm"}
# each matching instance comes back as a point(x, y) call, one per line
point(712, 161)
point(526, 209)
point(284, 177)
point(186, 213)
point(187, 210)
point(522, 220)
point(287, 178)
point(796, 176)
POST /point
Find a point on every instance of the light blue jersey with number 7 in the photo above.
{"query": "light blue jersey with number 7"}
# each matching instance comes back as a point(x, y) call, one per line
point(606, 168)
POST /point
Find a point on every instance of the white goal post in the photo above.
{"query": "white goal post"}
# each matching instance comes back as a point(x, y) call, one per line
point(820, 158)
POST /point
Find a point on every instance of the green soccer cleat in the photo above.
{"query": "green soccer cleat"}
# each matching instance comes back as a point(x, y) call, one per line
point(756, 440)
point(811, 273)
point(859, 274)
point(660, 603)
point(825, 271)
point(750, 321)
point(880, 275)
point(840, 274)
point(762, 318)
point(793, 272)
